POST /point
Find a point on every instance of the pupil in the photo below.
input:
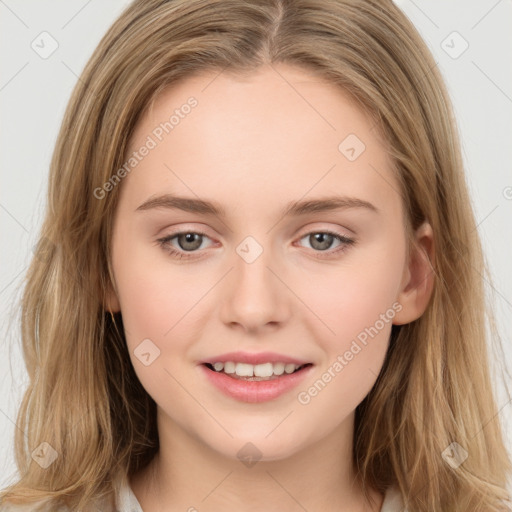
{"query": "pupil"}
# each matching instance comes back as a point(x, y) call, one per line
point(322, 240)
point(190, 238)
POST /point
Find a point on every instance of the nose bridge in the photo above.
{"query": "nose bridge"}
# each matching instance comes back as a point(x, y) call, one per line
point(254, 295)
point(253, 277)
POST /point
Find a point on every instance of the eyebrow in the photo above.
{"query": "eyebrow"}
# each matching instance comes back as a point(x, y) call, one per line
point(294, 208)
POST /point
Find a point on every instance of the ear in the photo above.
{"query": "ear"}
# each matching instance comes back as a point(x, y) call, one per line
point(418, 278)
point(111, 301)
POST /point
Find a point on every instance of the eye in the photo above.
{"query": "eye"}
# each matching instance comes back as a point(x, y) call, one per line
point(188, 242)
point(321, 241)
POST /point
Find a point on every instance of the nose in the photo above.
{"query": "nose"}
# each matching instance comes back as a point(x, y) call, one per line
point(254, 295)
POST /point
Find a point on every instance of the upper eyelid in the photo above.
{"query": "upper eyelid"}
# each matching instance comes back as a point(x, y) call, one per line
point(330, 231)
point(321, 229)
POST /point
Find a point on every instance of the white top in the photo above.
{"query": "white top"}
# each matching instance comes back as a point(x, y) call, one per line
point(127, 502)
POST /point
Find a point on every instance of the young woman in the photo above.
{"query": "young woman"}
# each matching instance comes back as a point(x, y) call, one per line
point(259, 284)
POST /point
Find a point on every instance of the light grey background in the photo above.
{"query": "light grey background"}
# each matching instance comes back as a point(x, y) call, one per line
point(34, 92)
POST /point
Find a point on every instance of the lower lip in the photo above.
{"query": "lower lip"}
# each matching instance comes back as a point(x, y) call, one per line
point(255, 391)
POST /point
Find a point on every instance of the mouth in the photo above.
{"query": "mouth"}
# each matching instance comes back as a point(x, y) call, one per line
point(256, 373)
point(255, 377)
point(238, 380)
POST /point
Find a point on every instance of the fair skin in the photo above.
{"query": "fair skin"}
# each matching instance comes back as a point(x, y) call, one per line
point(252, 145)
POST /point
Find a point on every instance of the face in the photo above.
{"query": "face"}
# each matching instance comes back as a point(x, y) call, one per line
point(252, 264)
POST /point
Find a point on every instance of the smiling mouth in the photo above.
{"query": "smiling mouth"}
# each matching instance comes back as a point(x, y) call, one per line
point(261, 372)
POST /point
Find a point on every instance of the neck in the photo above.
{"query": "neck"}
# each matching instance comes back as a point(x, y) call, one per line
point(188, 475)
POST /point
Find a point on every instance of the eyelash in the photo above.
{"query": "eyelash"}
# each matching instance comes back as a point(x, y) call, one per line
point(345, 241)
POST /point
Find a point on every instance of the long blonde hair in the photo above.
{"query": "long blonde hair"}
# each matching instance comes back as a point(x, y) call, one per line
point(84, 398)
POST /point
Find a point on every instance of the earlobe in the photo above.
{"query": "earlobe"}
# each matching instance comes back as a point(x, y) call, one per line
point(112, 304)
point(111, 301)
point(419, 275)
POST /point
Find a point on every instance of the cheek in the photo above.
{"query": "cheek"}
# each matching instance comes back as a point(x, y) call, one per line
point(154, 292)
point(150, 300)
point(158, 312)
point(158, 304)
point(358, 305)
point(352, 297)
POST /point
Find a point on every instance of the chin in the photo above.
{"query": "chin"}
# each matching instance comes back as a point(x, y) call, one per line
point(258, 448)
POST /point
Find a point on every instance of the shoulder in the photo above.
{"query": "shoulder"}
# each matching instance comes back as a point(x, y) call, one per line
point(39, 506)
point(393, 501)
point(50, 505)
point(125, 501)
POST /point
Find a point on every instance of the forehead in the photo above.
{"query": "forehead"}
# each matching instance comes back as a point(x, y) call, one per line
point(277, 133)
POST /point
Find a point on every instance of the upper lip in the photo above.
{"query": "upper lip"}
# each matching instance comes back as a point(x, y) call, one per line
point(254, 358)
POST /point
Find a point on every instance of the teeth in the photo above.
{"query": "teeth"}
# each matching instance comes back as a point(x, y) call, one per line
point(258, 370)
point(228, 367)
point(218, 367)
point(278, 368)
point(289, 368)
point(244, 370)
point(263, 370)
